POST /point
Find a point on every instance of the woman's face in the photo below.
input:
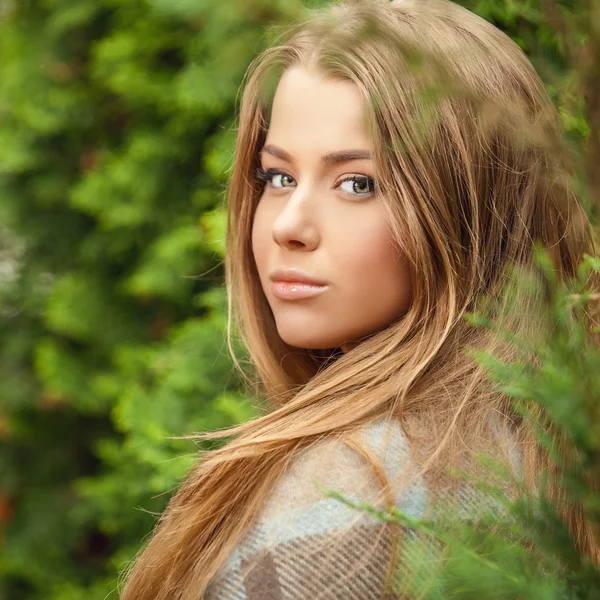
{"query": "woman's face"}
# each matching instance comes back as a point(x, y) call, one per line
point(309, 219)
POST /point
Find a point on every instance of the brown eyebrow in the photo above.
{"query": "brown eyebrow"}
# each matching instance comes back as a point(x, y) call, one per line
point(328, 159)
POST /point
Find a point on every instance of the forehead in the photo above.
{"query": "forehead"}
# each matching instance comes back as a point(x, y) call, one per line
point(306, 106)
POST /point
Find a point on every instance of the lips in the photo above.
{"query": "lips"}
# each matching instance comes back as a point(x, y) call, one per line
point(294, 290)
point(295, 276)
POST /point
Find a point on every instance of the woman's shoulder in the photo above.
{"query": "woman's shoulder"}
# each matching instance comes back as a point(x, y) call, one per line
point(305, 544)
point(352, 466)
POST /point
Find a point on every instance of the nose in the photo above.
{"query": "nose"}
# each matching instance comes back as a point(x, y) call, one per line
point(295, 226)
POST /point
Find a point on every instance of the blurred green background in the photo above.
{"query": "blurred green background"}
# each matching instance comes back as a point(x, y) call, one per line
point(117, 128)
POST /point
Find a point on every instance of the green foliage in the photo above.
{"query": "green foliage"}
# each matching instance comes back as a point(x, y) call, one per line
point(116, 134)
point(530, 552)
point(522, 547)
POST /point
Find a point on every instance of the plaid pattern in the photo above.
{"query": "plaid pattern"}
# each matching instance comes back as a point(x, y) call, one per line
point(307, 546)
point(307, 567)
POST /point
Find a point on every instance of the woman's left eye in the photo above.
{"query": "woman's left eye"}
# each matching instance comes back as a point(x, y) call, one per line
point(360, 185)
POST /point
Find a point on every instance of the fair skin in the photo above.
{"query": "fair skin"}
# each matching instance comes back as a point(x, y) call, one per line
point(309, 219)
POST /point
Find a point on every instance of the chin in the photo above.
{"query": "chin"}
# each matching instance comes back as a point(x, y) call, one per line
point(310, 342)
point(311, 345)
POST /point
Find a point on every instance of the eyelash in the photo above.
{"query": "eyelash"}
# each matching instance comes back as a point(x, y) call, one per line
point(267, 176)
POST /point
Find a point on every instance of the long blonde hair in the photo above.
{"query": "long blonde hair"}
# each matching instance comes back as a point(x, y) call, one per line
point(470, 179)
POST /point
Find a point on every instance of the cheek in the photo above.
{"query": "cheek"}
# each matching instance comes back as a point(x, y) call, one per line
point(369, 249)
point(375, 268)
point(260, 242)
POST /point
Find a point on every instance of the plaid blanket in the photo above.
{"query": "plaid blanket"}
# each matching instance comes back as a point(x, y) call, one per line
point(306, 546)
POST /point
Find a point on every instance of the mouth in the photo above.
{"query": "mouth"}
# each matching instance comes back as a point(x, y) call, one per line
point(297, 276)
point(296, 290)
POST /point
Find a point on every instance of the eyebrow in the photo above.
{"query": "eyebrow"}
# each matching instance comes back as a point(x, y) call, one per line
point(328, 159)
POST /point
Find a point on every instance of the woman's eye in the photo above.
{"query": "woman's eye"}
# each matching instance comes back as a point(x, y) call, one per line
point(272, 175)
point(359, 185)
point(283, 178)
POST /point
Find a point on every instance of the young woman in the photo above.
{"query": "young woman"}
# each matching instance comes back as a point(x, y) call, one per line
point(393, 165)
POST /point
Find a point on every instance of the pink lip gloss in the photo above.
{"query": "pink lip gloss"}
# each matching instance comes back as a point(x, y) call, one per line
point(296, 290)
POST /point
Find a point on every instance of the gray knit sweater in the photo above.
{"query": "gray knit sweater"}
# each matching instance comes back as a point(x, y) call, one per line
point(306, 546)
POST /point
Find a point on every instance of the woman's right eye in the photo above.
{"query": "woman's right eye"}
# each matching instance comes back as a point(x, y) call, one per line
point(271, 175)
